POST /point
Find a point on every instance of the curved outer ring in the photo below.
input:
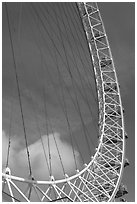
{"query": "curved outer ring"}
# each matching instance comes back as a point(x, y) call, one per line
point(97, 160)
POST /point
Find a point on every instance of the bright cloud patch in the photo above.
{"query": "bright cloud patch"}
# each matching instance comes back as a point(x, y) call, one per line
point(61, 153)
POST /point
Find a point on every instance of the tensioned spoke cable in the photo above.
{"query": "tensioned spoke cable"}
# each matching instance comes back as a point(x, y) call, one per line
point(80, 80)
point(61, 86)
point(79, 53)
point(78, 13)
point(51, 16)
point(80, 43)
point(72, 79)
point(18, 88)
point(30, 96)
point(67, 120)
point(95, 124)
point(89, 65)
point(79, 150)
point(63, 106)
point(36, 120)
point(37, 14)
point(20, 20)
point(55, 139)
point(69, 71)
point(52, 27)
point(75, 39)
point(36, 117)
point(54, 86)
point(44, 97)
point(87, 46)
point(9, 142)
point(78, 123)
point(39, 131)
point(68, 53)
point(80, 29)
point(65, 110)
point(47, 129)
point(86, 97)
point(11, 196)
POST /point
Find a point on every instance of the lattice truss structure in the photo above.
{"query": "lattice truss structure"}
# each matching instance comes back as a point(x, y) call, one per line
point(100, 179)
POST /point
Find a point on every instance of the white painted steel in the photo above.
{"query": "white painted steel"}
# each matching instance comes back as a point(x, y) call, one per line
point(100, 179)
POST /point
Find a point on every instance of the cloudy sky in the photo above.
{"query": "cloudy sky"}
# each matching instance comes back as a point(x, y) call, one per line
point(49, 44)
point(119, 24)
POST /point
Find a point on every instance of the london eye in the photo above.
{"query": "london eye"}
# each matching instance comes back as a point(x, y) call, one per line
point(65, 138)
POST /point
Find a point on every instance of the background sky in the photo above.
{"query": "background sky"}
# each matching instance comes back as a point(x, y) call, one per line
point(36, 62)
point(119, 20)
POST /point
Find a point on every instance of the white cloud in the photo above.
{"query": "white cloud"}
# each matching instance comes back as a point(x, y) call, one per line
point(19, 163)
point(14, 146)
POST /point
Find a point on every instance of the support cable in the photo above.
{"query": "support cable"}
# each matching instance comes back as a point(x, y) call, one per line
point(20, 18)
point(68, 53)
point(76, 11)
point(65, 110)
point(47, 128)
point(41, 139)
point(69, 71)
point(18, 88)
point(92, 115)
point(45, 28)
point(54, 86)
point(11, 196)
point(88, 49)
point(78, 38)
point(33, 106)
point(82, 47)
point(44, 98)
point(61, 86)
point(9, 142)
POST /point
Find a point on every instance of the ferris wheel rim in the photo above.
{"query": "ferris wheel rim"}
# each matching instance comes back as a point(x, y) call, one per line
point(78, 173)
point(53, 181)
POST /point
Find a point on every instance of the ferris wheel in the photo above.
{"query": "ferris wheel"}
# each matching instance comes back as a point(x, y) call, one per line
point(99, 179)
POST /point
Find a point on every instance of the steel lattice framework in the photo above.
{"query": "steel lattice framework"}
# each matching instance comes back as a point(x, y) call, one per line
point(100, 179)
